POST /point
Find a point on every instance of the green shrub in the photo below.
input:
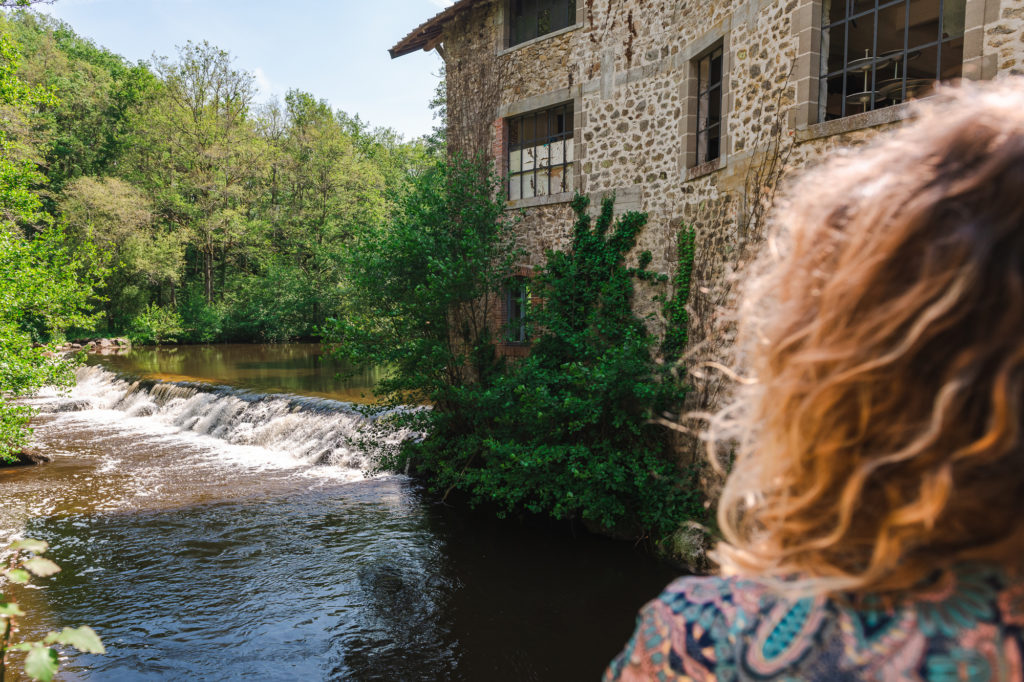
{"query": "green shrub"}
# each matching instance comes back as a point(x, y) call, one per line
point(155, 325)
point(568, 430)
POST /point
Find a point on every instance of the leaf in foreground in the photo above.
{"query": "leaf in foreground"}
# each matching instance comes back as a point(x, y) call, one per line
point(84, 639)
point(9, 608)
point(41, 567)
point(37, 546)
point(41, 663)
point(18, 575)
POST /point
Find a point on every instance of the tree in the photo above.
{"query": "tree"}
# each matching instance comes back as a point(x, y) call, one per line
point(421, 289)
point(45, 286)
point(142, 254)
point(199, 149)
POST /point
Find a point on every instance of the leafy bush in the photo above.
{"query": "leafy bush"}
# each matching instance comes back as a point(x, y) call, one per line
point(568, 430)
point(155, 325)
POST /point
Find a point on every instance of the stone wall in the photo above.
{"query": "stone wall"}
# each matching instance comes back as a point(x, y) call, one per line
point(628, 66)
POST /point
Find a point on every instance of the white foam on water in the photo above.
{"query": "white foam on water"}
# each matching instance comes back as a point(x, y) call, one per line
point(224, 425)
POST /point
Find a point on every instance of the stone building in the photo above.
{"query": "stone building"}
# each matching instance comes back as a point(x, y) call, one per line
point(692, 110)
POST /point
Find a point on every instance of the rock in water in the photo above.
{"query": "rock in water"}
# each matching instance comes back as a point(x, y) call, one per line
point(29, 457)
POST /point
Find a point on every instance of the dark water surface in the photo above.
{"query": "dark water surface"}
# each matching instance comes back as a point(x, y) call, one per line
point(202, 542)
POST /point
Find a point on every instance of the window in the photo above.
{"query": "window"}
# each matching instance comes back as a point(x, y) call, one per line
point(533, 18)
point(709, 106)
point(876, 53)
point(540, 153)
point(517, 297)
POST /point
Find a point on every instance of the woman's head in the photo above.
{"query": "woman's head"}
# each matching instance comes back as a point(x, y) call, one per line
point(882, 434)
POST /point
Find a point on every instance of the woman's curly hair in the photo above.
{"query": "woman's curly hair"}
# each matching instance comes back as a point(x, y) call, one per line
point(880, 436)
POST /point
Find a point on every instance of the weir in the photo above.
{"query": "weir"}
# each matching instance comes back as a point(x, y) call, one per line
point(309, 429)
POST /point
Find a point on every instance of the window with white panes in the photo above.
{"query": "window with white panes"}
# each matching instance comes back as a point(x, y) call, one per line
point(540, 153)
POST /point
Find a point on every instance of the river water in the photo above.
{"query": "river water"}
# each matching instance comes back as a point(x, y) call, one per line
point(214, 522)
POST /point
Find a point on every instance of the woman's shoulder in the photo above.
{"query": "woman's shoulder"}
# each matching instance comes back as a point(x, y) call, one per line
point(687, 632)
point(706, 628)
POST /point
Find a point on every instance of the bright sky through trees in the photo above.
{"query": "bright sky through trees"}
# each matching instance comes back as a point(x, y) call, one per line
point(335, 49)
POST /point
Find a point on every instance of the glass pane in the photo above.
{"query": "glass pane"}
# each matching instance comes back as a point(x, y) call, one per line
point(833, 49)
point(833, 11)
point(515, 161)
point(702, 147)
point(702, 110)
point(529, 130)
point(716, 69)
point(952, 65)
point(542, 151)
point(861, 41)
point(544, 21)
point(557, 153)
point(953, 17)
point(703, 72)
point(861, 6)
point(556, 121)
point(834, 98)
point(541, 187)
point(891, 22)
point(529, 156)
point(567, 180)
point(714, 140)
point(569, 150)
point(528, 185)
point(557, 177)
point(924, 22)
point(921, 73)
point(715, 106)
point(514, 187)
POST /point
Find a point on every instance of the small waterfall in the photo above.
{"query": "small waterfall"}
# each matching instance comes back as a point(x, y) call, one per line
point(312, 430)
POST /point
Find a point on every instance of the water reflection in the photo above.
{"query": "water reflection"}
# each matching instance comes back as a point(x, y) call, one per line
point(301, 368)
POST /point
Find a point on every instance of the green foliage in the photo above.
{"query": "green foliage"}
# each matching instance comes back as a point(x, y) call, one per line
point(186, 186)
point(566, 431)
point(155, 325)
point(24, 560)
point(45, 285)
point(677, 334)
point(420, 290)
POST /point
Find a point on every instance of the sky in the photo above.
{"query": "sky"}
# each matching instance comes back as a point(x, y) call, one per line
point(334, 49)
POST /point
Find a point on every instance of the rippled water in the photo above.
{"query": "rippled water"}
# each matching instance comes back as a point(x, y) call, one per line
point(198, 552)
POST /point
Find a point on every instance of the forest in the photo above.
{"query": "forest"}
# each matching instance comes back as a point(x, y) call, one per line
point(216, 217)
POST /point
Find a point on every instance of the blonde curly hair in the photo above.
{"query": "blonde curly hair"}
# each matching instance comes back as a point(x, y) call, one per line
point(881, 435)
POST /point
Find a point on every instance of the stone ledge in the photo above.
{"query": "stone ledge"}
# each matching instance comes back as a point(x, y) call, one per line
point(546, 200)
point(849, 124)
point(540, 39)
point(707, 168)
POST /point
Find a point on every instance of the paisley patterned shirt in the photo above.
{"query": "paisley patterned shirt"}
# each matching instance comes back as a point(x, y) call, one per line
point(967, 625)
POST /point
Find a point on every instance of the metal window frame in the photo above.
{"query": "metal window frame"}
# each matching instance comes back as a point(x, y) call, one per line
point(564, 138)
point(516, 13)
point(711, 89)
point(872, 14)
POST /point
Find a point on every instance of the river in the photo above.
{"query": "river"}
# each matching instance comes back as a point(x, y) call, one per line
point(214, 522)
